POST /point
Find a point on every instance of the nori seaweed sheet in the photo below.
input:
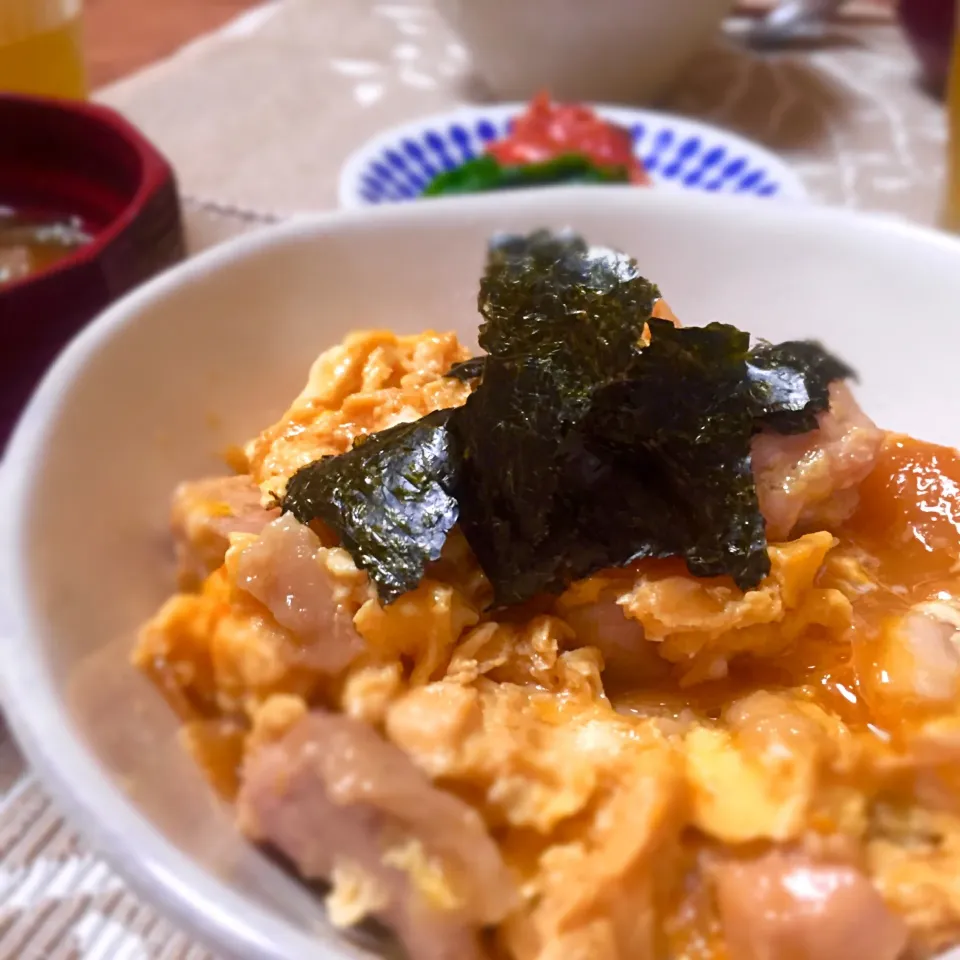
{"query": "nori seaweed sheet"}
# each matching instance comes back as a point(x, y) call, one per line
point(790, 382)
point(471, 369)
point(390, 500)
point(596, 435)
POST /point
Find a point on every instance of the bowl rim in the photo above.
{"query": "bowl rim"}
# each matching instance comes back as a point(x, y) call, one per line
point(155, 170)
point(792, 187)
point(165, 877)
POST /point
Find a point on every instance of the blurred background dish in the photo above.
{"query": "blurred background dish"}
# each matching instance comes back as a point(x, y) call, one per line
point(88, 209)
point(615, 50)
point(398, 164)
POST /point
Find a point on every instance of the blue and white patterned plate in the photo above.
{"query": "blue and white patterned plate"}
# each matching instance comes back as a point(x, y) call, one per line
point(397, 165)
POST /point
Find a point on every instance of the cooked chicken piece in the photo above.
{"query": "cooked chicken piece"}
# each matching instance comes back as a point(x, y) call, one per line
point(203, 515)
point(910, 666)
point(620, 639)
point(927, 641)
point(785, 907)
point(342, 803)
point(283, 569)
point(810, 480)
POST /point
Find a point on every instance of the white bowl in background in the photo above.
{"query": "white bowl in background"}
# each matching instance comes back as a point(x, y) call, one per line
point(623, 51)
point(209, 353)
point(397, 164)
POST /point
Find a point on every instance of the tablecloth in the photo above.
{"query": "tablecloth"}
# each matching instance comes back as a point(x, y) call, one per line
point(260, 120)
point(257, 120)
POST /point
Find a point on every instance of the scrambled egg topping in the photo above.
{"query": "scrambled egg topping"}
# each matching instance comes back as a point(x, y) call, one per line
point(618, 737)
point(371, 381)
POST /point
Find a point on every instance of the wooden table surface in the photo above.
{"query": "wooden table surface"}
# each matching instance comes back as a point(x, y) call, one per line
point(124, 35)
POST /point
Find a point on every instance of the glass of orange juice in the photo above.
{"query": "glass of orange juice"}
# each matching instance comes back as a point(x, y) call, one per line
point(41, 48)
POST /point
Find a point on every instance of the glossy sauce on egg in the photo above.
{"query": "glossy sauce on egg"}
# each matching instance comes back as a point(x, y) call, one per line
point(903, 542)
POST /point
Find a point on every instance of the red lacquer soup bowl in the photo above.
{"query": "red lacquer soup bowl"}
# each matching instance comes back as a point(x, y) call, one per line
point(61, 160)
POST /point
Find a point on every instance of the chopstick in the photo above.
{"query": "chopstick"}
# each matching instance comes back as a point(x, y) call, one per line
point(859, 11)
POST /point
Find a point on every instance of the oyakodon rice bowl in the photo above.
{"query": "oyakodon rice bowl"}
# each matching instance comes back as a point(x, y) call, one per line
point(154, 391)
point(622, 639)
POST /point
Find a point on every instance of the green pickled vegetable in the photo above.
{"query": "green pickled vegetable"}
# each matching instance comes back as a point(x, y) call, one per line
point(484, 173)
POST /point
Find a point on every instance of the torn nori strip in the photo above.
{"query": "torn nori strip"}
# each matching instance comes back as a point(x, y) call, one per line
point(654, 462)
point(541, 290)
point(608, 450)
point(389, 499)
point(471, 369)
point(790, 383)
point(679, 427)
point(560, 319)
point(583, 445)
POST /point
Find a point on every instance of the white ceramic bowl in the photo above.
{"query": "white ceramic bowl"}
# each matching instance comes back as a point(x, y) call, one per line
point(214, 350)
point(623, 51)
point(680, 154)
